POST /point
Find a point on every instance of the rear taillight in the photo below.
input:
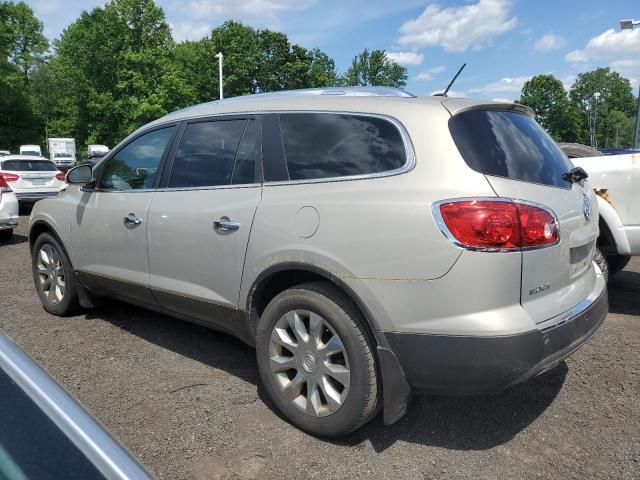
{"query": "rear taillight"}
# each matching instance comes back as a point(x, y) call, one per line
point(5, 178)
point(60, 176)
point(498, 224)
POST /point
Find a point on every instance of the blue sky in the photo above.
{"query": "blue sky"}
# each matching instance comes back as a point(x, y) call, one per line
point(503, 42)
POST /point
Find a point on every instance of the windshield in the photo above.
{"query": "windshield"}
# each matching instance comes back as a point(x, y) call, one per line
point(28, 166)
point(510, 145)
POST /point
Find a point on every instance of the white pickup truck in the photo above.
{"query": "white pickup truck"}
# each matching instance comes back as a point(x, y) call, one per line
point(616, 180)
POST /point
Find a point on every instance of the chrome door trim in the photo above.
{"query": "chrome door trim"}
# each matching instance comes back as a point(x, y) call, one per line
point(100, 448)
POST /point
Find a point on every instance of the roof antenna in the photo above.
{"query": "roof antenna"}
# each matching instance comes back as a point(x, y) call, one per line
point(444, 94)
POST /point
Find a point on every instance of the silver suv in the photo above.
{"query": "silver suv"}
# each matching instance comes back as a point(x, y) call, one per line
point(369, 243)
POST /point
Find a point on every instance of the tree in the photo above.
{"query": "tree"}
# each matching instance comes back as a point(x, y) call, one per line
point(22, 39)
point(374, 68)
point(546, 96)
point(595, 94)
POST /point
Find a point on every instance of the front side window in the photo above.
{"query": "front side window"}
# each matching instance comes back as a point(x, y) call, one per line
point(208, 152)
point(135, 166)
point(327, 145)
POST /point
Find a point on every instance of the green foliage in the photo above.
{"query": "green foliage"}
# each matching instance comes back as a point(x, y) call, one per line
point(374, 68)
point(546, 96)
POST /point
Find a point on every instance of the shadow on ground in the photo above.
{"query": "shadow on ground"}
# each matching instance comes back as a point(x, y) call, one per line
point(15, 239)
point(460, 423)
point(624, 291)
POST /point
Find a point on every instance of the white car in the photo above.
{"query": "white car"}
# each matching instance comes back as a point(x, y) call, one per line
point(4, 152)
point(615, 179)
point(31, 178)
point(8, 210)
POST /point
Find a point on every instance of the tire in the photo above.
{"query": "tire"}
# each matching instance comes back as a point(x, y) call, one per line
point(319, 403)
point(601, 261)
point(617, 263)
point(53, 269)
point(5, 235)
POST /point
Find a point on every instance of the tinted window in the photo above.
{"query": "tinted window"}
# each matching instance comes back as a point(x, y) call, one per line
point(245, 167)
point(28, 166)
point(323, 145)
point(206, 154)
point(136, 165)
point(510, 145)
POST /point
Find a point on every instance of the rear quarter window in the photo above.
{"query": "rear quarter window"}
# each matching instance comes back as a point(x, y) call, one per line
point(510, 145)
point(328, 145)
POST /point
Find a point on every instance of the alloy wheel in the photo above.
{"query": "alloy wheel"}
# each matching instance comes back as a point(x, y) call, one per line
point(309, 362)
point(51, 274)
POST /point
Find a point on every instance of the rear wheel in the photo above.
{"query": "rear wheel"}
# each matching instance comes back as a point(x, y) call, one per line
point(53, 276)
point(602, 263)
point(5, 235)
point(316, 361)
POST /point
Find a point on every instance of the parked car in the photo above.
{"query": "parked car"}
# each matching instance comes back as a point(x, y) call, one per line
point(33, 150)
point(31, 178)
point(8, 210)
point(618, 151)
point(615, 179)
point(369, 243)
point(47, 434)
point(4, 152)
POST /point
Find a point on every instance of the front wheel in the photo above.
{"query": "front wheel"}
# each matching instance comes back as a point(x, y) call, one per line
point(316, 361)
point(53, 276)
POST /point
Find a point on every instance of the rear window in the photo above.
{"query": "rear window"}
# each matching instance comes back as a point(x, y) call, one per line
point(28, 166)
point(510, 145)
point(327, 145)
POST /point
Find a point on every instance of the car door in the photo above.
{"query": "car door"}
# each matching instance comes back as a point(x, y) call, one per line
point(109, 230)
point(200, 221)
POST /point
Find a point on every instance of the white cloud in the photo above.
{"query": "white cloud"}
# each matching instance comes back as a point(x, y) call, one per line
point(429, 73)
point(406, 58)
point(458, 28)
point(257, 12)
point(610, 45)
point(549, 42)
point(568, 81)
point(188, 31)
point(508, 86)
point(619, 49)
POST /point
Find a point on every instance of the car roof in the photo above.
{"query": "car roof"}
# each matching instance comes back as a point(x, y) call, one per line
point(377, 100)
point(23, 157)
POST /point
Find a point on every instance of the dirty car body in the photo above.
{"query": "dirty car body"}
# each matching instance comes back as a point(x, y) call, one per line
point(408, 220)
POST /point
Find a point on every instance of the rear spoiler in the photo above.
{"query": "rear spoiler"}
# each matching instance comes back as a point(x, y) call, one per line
point(459, 105)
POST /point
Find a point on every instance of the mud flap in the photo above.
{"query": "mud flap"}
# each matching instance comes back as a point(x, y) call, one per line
point(396, 392)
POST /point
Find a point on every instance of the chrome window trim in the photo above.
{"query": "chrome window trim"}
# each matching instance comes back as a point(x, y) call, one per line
point(442, 226)
point(215, 187)
point(409, 164)
point(101, 449)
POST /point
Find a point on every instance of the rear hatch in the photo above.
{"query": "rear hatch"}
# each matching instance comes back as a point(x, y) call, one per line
point(521, 161)
point(33, 175)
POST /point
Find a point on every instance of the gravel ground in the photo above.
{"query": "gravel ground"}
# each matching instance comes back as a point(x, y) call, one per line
point(188, 403)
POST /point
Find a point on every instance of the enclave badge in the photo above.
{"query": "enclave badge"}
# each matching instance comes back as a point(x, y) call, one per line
point(586, 206)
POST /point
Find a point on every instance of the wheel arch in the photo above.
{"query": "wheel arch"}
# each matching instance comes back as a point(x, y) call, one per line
point(611, 229)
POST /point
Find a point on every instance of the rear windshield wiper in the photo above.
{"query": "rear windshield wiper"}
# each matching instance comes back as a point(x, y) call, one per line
point(575, 175)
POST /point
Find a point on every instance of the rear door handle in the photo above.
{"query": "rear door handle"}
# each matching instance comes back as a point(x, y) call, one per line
point(131, 219)
point(225, 225)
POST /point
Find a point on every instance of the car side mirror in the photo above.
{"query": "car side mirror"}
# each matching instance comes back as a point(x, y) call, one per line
point(80, 175)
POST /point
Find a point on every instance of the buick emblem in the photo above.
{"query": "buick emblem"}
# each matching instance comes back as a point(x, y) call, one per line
point(586, 207)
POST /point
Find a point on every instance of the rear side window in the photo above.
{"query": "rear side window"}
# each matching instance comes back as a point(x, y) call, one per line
point(327, 145)
point(510, 145)
point(28, 166)
point(207, 154)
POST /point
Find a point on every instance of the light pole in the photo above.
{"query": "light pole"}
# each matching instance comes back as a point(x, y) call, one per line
point(628, 25)
point(219, 56)
point(594, 141)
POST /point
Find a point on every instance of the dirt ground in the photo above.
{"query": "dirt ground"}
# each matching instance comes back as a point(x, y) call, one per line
point(188, 403)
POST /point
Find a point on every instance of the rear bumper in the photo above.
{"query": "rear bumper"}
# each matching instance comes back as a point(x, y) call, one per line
point(444, 364)
point(30, 197)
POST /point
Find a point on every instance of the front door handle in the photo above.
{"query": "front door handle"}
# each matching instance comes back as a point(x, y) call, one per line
point(225, 225)
point(131, 219)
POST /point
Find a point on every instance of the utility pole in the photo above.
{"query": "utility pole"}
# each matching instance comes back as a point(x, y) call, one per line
point(219, 56)
point(629, 25)
point(594, 142)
